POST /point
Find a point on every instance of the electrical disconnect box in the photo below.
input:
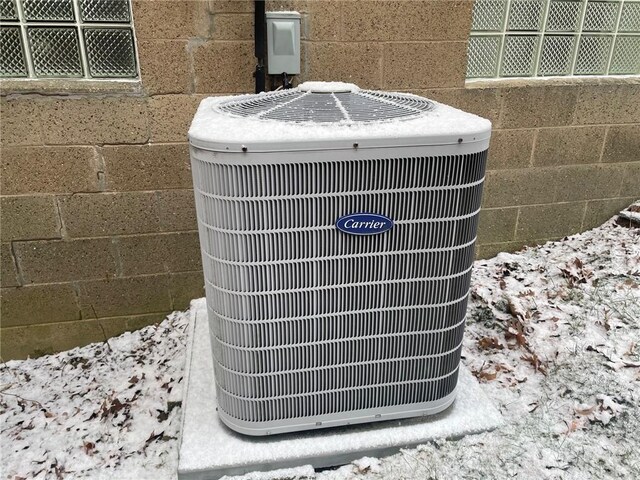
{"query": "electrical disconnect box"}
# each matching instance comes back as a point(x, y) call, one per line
point(283, 43)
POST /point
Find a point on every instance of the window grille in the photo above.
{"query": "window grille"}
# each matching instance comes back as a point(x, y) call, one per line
point(542, 38)
point(91, 39)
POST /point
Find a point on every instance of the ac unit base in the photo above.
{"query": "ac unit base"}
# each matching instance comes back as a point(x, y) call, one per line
point(337, 419)
point(209, 450)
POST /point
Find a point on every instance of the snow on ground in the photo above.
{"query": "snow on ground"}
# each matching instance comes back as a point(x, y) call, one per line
point(552, 336)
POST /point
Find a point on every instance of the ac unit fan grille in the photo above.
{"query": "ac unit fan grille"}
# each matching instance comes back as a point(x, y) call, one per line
point(359, 106)
point(309, 321)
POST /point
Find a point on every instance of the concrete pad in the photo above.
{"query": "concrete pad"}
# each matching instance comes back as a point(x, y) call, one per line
point(210, 450)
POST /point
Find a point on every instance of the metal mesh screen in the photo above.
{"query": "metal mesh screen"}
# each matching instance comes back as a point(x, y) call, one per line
point(528, 38)
point(67, 39)
point(308, 321)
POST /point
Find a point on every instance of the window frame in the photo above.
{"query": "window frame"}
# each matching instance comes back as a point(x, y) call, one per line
point(503, 34)
point(79, 26)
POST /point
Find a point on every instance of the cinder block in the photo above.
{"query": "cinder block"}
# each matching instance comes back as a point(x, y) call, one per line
point(599, 211)
point(37, 340)
point(485, 102)
point(49, 170)
point(424, 65)
point(543, 222)
point(510, 149)
point(287, 5)
point(8, 269)
point(383, 21)
point(323, 21)
point(587, 182)
point(171, 19)
point(157, 76)
point(497, 225)
point(34, 304)
point(147, 167)
point(604, 104)
point(125, 296)
point(529, 186)
point(568, 145)
point(177, 210)
point(238, 26)
point(170, 252)
point(25, 218)
point(622, 144)
point(171, 116)
point(90, 121)
point(66, 260)
point(185, 287)
point(545, 106)
point(183, 251)
point(20, 122)
point(231, 6)
point(358, 63)
point(142, 254)
point(99, 214)
point(224, 67)
point(631, 180)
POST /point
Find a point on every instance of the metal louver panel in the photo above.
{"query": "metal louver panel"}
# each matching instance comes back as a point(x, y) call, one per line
point(308, 322)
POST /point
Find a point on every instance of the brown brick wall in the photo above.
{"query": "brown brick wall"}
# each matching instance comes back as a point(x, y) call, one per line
point(98, 232)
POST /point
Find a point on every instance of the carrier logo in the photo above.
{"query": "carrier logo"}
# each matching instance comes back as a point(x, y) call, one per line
point(364, 224)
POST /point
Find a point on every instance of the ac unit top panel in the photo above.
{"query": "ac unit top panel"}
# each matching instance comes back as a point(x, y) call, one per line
point(321, 115)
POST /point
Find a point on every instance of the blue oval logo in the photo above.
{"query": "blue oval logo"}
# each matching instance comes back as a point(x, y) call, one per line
point(364, 224)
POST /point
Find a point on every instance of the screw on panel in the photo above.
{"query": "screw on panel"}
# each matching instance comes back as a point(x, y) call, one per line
point(244, 149)
point(459, 140)
point(355, 145)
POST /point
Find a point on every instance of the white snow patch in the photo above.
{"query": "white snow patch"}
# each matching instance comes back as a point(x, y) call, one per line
point(328, 87)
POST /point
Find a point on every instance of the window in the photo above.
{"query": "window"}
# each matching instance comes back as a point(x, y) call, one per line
point(67, 39)
point(542, 38)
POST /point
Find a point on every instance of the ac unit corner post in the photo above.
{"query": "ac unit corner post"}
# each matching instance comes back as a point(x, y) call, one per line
point(312, 326)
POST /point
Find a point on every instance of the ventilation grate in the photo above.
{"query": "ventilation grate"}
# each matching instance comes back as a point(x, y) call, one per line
point(308, 321)
point(329, 107)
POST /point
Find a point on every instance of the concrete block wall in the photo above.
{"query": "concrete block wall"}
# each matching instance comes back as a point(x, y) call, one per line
point(98, 232)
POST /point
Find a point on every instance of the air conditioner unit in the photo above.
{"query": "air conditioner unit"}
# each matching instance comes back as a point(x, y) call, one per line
point(337, 228)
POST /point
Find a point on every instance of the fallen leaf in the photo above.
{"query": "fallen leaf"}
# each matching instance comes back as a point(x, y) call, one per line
point(89, 447)
point(490, 342)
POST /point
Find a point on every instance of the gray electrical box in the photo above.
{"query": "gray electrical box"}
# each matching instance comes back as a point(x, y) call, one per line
point(283, 43)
